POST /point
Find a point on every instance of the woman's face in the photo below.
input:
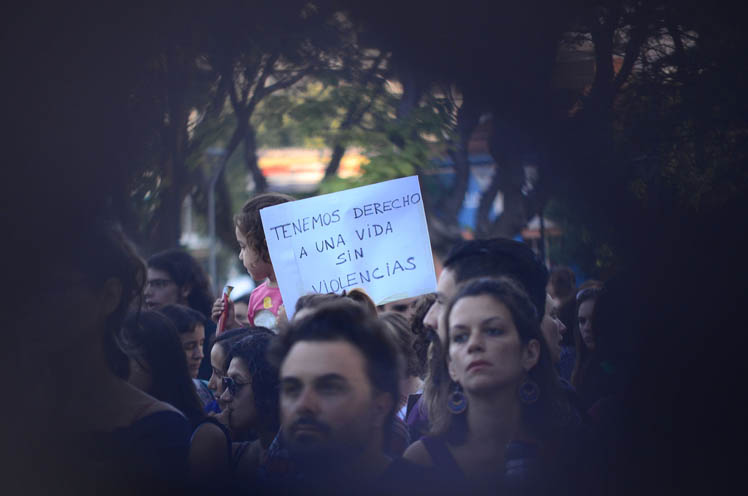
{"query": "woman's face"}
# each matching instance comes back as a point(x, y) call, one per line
point(192, 344)
point(217, 364)
point(240, 403)
point(584, 316)
point(485, 351)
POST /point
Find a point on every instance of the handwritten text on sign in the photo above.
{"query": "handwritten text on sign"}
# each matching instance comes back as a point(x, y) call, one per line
point(373, 237)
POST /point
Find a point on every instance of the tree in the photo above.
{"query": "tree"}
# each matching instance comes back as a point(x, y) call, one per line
point(252, 64)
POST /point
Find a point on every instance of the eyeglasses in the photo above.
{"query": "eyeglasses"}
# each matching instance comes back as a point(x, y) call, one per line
point(159, 283)
point(232, 385)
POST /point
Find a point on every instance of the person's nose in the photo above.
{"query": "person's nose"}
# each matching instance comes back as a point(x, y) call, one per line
point(307, 403)
point(226, 396)
point(475, 342)
point(198, 354)
point(148, 290)
point(561, 327)
point(431, 317)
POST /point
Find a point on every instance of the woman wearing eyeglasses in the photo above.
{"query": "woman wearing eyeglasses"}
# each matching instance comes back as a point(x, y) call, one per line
point(251, 398)
point(176, 278)
point(219, 353)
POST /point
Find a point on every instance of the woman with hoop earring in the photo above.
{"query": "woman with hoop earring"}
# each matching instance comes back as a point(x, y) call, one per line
point(497, 411)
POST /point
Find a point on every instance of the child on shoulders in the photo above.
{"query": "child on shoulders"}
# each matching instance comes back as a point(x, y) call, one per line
point(265, 302)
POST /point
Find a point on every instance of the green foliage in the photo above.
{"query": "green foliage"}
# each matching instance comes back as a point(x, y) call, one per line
point(422, 135)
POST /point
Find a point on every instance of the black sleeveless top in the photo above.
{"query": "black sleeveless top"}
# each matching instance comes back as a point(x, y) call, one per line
point(148, 456)
point(442, 459)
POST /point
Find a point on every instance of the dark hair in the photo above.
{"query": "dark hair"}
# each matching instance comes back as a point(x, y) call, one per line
point(501, 257)
point(252, 350)
point(184, 318)
point(346, 320)
point(226, 339)
point(589, 291)
point(185, 271)
point(564, 282)
point(151, 339)
point(404, 338)
point(102, 252)
point(360, 296)
point(313, 300)
point(422, 335)
point(249, 221)
point(541, 417)
point(617, 345)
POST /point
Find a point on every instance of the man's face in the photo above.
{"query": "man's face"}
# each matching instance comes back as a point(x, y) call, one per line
point(160, 290)
point(328, 405)
point(445, 289)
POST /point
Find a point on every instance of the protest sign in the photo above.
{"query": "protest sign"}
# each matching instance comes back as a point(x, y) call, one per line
point(373, 237)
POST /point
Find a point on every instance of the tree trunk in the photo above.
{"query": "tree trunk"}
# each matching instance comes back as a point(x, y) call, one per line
point(224, 211)
point(122, 206)
point(412, 91)
point(168, 225)
point(338, 152)
point(467, 120)
point(355, 112)
point(507, 149)
point(250, 156)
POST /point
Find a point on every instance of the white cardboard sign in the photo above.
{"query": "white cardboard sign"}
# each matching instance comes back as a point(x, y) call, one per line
point(373, 237)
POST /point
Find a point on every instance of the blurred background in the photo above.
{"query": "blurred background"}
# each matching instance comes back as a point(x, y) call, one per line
point(591, 130)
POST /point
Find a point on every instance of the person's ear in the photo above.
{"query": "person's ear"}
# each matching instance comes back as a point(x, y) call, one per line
point(111, 295)
point(531, 355)
point(383, 405)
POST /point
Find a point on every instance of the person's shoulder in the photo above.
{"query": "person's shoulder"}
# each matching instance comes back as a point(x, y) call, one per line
point(418, 454)
point(210, 447)
point(212, 431)
point(158, 415)
point(160, 407)
point(164, 417)
point(143, 405)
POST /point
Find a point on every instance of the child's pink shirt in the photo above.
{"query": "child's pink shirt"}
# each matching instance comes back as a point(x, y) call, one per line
point(264, 302)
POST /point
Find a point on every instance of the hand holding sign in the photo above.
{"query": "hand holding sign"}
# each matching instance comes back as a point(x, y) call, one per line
point(374, 237)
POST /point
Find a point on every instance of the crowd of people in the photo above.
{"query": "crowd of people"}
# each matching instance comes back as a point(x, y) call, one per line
point(501, 382)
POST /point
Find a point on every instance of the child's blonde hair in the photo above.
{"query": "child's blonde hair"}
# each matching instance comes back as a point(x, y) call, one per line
point(249, 222)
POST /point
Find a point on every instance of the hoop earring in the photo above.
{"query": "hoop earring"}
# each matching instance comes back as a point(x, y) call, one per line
point(457, 402)
point(528, 392)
